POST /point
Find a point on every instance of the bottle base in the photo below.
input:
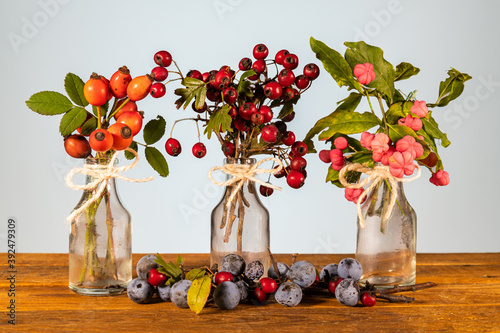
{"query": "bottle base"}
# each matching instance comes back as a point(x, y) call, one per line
point(384, 282)
point(106, 291)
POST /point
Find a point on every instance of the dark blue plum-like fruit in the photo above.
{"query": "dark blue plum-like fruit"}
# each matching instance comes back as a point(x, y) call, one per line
point(164, 292)
point(145, 264)
point(254, 270)
point(227, 295)
point(233, 264)
point(288, 294)
point(178, 293)
point(283, 268)
point(303, 273)
point(328, 272)
point(350, 268)
point(243, 286)
point(347, 292)
point(140, 291)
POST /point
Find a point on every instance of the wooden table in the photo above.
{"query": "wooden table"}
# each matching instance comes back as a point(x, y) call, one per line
point(467, 298)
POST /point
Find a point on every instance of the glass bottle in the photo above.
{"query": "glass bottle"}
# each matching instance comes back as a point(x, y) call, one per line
point(100, 242)
point(387, 249)
point(243, 228)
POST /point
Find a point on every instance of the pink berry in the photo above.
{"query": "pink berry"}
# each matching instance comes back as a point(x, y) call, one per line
point(440, 178)
point(337, 159)
point(324, 156)
point(366, 140)
point(401, 164)
point(340, 143)
point(380, 143)
point(353, 194)
point(409, 144)
point(364, 73)
point(419, 109)
point(413, 123)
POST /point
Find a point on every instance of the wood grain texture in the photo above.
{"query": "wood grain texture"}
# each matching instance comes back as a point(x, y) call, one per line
point(467, 298)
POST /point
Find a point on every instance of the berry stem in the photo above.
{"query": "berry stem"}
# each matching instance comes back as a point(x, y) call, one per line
point(379, 98)
point(180, 73)
point(113, 112)
point(99, 124)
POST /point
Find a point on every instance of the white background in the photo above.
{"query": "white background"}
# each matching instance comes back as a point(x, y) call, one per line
point(41, 41)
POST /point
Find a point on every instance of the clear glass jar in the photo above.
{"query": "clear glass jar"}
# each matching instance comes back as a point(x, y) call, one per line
point(100, 243)
point(387, 249)
point(243, 228)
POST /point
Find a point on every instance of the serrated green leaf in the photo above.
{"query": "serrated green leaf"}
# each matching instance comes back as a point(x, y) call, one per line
point(157, 161)
point(360, 53)
point(194, 88)
point(200, 98)
point(198, 294)
point(192, 82)
point(286, 110)
point(404, 71)
point(73, 119)
point(169, 269)
point(431, 127)
point(347, 122)
point(89, 126)
point(49, 103)
point(129, 155)
point(244, 85)
point(220, 119)
point(154, 130)
point(74, 88)
point(335, 64)
point(451, 88)
point(195, 273)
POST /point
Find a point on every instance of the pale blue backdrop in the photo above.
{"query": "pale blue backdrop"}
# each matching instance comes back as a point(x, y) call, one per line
point(42, 40)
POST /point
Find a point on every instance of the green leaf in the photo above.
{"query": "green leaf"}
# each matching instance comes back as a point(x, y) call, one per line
point(347, 122)
point(72, 120)
point(195, 273)
point(104, 110)
point(360, 53)
point(179, 260)
point(129, 155)
point(89, 126)
point(333, 177)
point(349, 104)
point(404, 71)
point(397, 132)
point(365, 158)
point(194, 88)
point(244, 85)
point(451, 88)
point(49, 103)
point(198, 293)
point(286, 110)
point(157, 161)
point(220, 119)
point(170, 269)
point(74, 88)
point(431, 127)
point(154, 130)
point(335, 64)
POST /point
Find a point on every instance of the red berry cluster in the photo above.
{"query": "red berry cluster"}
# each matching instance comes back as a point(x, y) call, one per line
point(249, 101)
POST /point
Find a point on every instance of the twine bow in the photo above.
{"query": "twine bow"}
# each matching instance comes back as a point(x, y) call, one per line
point(376, 175)
point(241, 173)
point(101, 175)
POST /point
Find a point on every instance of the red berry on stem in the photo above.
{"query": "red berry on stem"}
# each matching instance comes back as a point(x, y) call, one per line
point(260, 51)
point(156, 278)
point(295, 179)
point(332, 285)
point(301, 82)
point(158, 90)
point(163, 58)
point(228, 149)
point(199, 150)
point(265, 191)
point(101, 140)
point(270, 133)
point(282, 173)
point(257, 118)
point(233, 112)
point(268, 285)
point(267, 113)
point(77, 146)
point(368, 299)
point(311, 71)
point(259, 66)
point(195, 74)
point(173, 147)
point(241, 124)
point(298, 163)
point(286, 78)
point(324, 156)
point(222, 277)
point(288, 93)
point(230, 95)
point(260, 297)
point(299, 148)
point(273, 90)
point(245, 64)
point(280, 56)
point(247, 110)
point(288, 138)
point(291, 61)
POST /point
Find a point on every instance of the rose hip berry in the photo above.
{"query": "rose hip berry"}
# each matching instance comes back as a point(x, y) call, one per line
point(163, 58)
point(260, 51)
point(132, 119)
point(96, 90)
point(299, 148)
point(157, 90)
point(311, 71)
point(199, 150)
point(122, 136)
point(129, 106)
point(101, 140)
point(77, 146)
point(273, 90)
point(265, 191)
point(156, 278)
point(139, 87)
point(222, 277)
point(173, 147)
point(119, 82)
point(295, 179)
point(368, 299)
point(268, 285)
point(270, 133)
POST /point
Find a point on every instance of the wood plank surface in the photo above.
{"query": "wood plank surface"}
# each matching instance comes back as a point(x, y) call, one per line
point(467, 298)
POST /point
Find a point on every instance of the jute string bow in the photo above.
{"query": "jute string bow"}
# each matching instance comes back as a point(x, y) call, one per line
point(101, 175)
point(241, 173)
point(377, 174)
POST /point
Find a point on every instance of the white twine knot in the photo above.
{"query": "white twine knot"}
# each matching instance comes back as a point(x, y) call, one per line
point(243, 172)
point(101, 174)
point(376, 175)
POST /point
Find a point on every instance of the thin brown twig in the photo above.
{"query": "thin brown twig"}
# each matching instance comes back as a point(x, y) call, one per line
point(232, 217)
point(241, 217)
point(414, 287)
point(396, 299)
point(275, 264)
point(224, 211)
